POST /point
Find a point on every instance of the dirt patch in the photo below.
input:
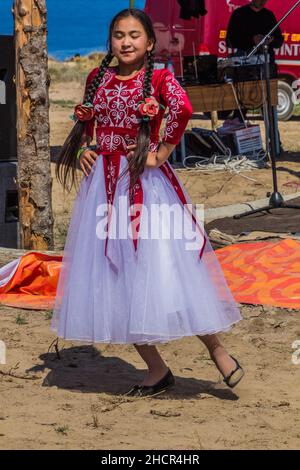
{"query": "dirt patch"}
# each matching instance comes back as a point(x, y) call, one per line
point(76, 402)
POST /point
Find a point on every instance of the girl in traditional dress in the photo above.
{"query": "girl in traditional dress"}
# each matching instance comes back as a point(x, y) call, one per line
point(119, 283)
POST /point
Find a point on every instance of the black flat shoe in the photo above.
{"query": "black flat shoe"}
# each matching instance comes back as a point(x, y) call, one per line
point(235, 376)
point(166, 382)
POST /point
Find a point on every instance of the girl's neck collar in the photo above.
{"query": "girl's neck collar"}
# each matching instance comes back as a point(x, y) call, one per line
point(129, 77)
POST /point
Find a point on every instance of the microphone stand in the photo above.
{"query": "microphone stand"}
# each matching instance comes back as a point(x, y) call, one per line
point(276, 199)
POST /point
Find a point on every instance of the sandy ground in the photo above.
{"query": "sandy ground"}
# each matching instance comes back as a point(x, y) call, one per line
point(76, 402)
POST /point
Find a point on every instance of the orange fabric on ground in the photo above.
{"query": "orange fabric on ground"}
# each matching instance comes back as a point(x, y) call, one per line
point(33, 285)
point(263, 273)
point(266, 273)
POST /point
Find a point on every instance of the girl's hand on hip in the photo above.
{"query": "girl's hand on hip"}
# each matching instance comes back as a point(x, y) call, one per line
point(131, 149)
point(152, 161)
point(87, 160)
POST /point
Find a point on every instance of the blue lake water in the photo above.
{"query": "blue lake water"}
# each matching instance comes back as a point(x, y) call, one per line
point(74, 26)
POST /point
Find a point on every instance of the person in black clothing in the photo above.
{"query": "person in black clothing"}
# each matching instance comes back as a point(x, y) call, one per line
point(249, 24)
point(247, 27)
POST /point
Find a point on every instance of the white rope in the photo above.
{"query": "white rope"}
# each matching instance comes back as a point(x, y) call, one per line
point(233, 164)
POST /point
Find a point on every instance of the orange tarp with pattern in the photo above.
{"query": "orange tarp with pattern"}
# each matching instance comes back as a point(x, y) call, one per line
point(266, 273)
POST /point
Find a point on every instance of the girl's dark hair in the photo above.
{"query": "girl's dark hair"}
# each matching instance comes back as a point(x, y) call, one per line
point(67, 156)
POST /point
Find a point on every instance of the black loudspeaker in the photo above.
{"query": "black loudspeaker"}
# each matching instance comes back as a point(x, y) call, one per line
point(9, 211)
point(8, 130)
point(9, 206)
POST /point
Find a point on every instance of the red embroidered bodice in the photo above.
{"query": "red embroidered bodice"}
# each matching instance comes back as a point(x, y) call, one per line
point(117, 124)
point(116, 117)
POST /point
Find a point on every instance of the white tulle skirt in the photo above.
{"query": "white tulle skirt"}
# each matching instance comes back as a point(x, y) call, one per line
point(159, 292)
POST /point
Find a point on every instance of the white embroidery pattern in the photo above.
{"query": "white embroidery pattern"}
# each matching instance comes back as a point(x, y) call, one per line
point(153, 146)
point(112, 181)
point(134, 191)
point(174, 96)
point(116, 105)
point(113, 141)
point(108, 75)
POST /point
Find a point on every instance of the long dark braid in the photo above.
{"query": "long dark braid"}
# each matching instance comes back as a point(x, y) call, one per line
point(67, 157)
point(137, 162)
point(68, 153)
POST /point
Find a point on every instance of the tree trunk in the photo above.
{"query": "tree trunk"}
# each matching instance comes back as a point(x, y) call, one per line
point(33, 149)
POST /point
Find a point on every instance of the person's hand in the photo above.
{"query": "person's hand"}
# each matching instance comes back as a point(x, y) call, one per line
point(131, 149)
point(87, 160)
point(257, 38)
point(151, 161)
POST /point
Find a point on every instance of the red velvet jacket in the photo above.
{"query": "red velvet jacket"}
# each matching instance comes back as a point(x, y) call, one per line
point(118, 121)
point(116, 117)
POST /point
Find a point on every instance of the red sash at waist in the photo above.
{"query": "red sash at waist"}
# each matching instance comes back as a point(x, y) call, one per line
point(111, 166)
